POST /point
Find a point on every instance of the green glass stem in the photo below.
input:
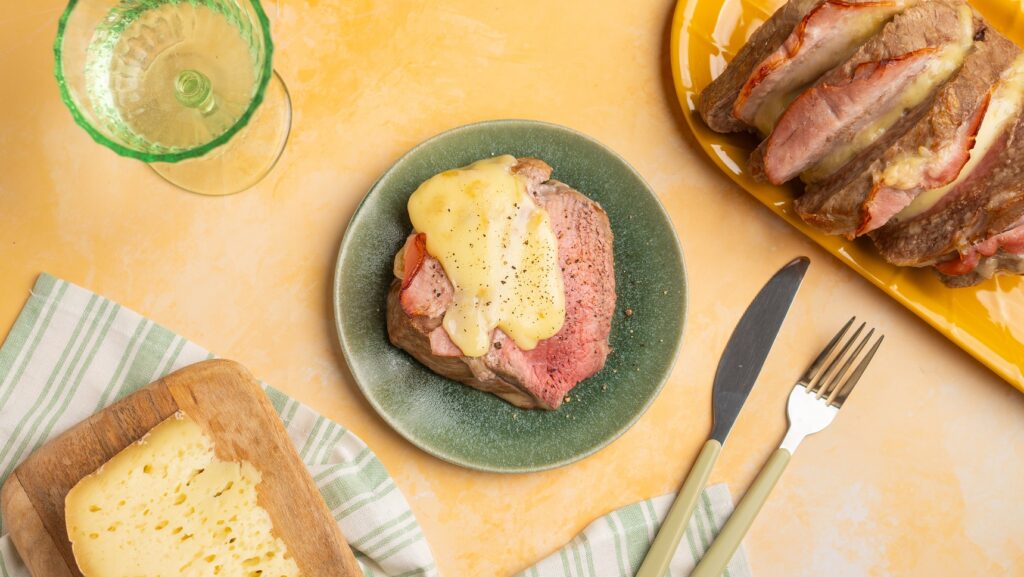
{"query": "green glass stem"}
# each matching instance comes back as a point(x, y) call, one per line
point(192, 89)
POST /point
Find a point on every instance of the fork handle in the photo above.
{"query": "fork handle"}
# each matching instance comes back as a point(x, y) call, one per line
point(659, 556)
point(728, 540)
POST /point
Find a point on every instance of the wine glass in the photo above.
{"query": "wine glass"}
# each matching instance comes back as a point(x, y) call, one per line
point(184, 85)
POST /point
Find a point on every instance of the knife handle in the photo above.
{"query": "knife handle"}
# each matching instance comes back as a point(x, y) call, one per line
point(728, 539)
point(659, 556)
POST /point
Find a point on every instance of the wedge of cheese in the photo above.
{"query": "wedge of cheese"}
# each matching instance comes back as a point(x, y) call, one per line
point(167, 507)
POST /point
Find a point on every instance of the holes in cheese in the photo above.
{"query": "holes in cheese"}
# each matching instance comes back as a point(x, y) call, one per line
point(167, 507)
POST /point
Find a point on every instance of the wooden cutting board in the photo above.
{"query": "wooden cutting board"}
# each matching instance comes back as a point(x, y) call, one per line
point(227, 402)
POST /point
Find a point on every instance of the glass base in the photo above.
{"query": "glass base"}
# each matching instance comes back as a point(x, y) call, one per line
point(246, 158)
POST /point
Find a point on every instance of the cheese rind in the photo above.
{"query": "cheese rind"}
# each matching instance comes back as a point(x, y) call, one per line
point(166, 506)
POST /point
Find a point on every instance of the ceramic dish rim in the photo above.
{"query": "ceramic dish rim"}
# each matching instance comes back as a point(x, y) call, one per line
point(456, 459)
point(683, 88)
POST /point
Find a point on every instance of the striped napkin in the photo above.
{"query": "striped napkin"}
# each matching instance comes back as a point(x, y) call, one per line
point(72, 352)
point(615, 545)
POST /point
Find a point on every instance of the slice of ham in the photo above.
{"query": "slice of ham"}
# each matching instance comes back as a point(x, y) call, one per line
point(415, 251)
point(812, 48)
point(1011, 241)
point(426, 290)
point(886, 201)
point(428, 294)
point(807, 130)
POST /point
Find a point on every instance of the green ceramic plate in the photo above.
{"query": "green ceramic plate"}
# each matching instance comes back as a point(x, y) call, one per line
point(478, 430)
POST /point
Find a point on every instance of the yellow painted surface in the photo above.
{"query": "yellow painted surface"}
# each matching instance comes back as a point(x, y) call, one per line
point(921, 474)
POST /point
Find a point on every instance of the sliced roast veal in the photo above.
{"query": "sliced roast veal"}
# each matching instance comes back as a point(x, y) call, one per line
point(425, 289)
point(540, 377)
point(847, 111)
point(813, 48)
point(718, 98)
point(868, 191)
point(988, 201)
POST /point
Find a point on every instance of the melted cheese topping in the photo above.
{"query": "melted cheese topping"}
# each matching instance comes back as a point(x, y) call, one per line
point(1005, 106)
point(937, 71)
point(499, 252)
point(861, 25)
point(905, 171)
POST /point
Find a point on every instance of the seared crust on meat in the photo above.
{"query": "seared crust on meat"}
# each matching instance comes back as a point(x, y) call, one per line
point(412, 334)
point(989, 202)
point(960, 281)
point(716, 101)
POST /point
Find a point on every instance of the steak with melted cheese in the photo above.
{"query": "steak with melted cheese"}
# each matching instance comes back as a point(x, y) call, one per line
point(536, 378)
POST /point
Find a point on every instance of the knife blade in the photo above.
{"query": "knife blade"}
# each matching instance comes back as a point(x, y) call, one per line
point(737, 372)
point(749, 344)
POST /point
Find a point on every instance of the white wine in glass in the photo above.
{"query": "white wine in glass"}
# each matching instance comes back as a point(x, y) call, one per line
point(186, 85)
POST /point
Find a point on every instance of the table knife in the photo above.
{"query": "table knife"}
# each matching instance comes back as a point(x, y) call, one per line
point(737, 371)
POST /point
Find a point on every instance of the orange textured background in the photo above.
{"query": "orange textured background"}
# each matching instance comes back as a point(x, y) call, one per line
point(922, 474)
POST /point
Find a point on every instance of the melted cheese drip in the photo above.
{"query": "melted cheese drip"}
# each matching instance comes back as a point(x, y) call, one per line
point(499, 251)
point(1005, 105)
point(867, 23)
point(937, 70)
point(1005, 263)
point(906, 170)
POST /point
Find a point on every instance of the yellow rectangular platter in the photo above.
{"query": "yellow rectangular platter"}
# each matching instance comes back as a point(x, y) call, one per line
point(987, 321)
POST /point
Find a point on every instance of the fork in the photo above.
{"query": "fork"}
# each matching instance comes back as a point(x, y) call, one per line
point(814, 402)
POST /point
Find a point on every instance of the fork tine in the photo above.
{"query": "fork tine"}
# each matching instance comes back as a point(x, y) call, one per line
point(819, 389)
point(847, 387)
point(812, 371)
point(837, 379)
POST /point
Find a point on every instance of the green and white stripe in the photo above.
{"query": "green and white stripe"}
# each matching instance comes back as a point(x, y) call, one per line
point(614, 545)
point(71, 353)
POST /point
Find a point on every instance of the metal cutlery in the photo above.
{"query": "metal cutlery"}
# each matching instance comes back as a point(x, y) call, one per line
point(813, 404)
point(737, 371)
